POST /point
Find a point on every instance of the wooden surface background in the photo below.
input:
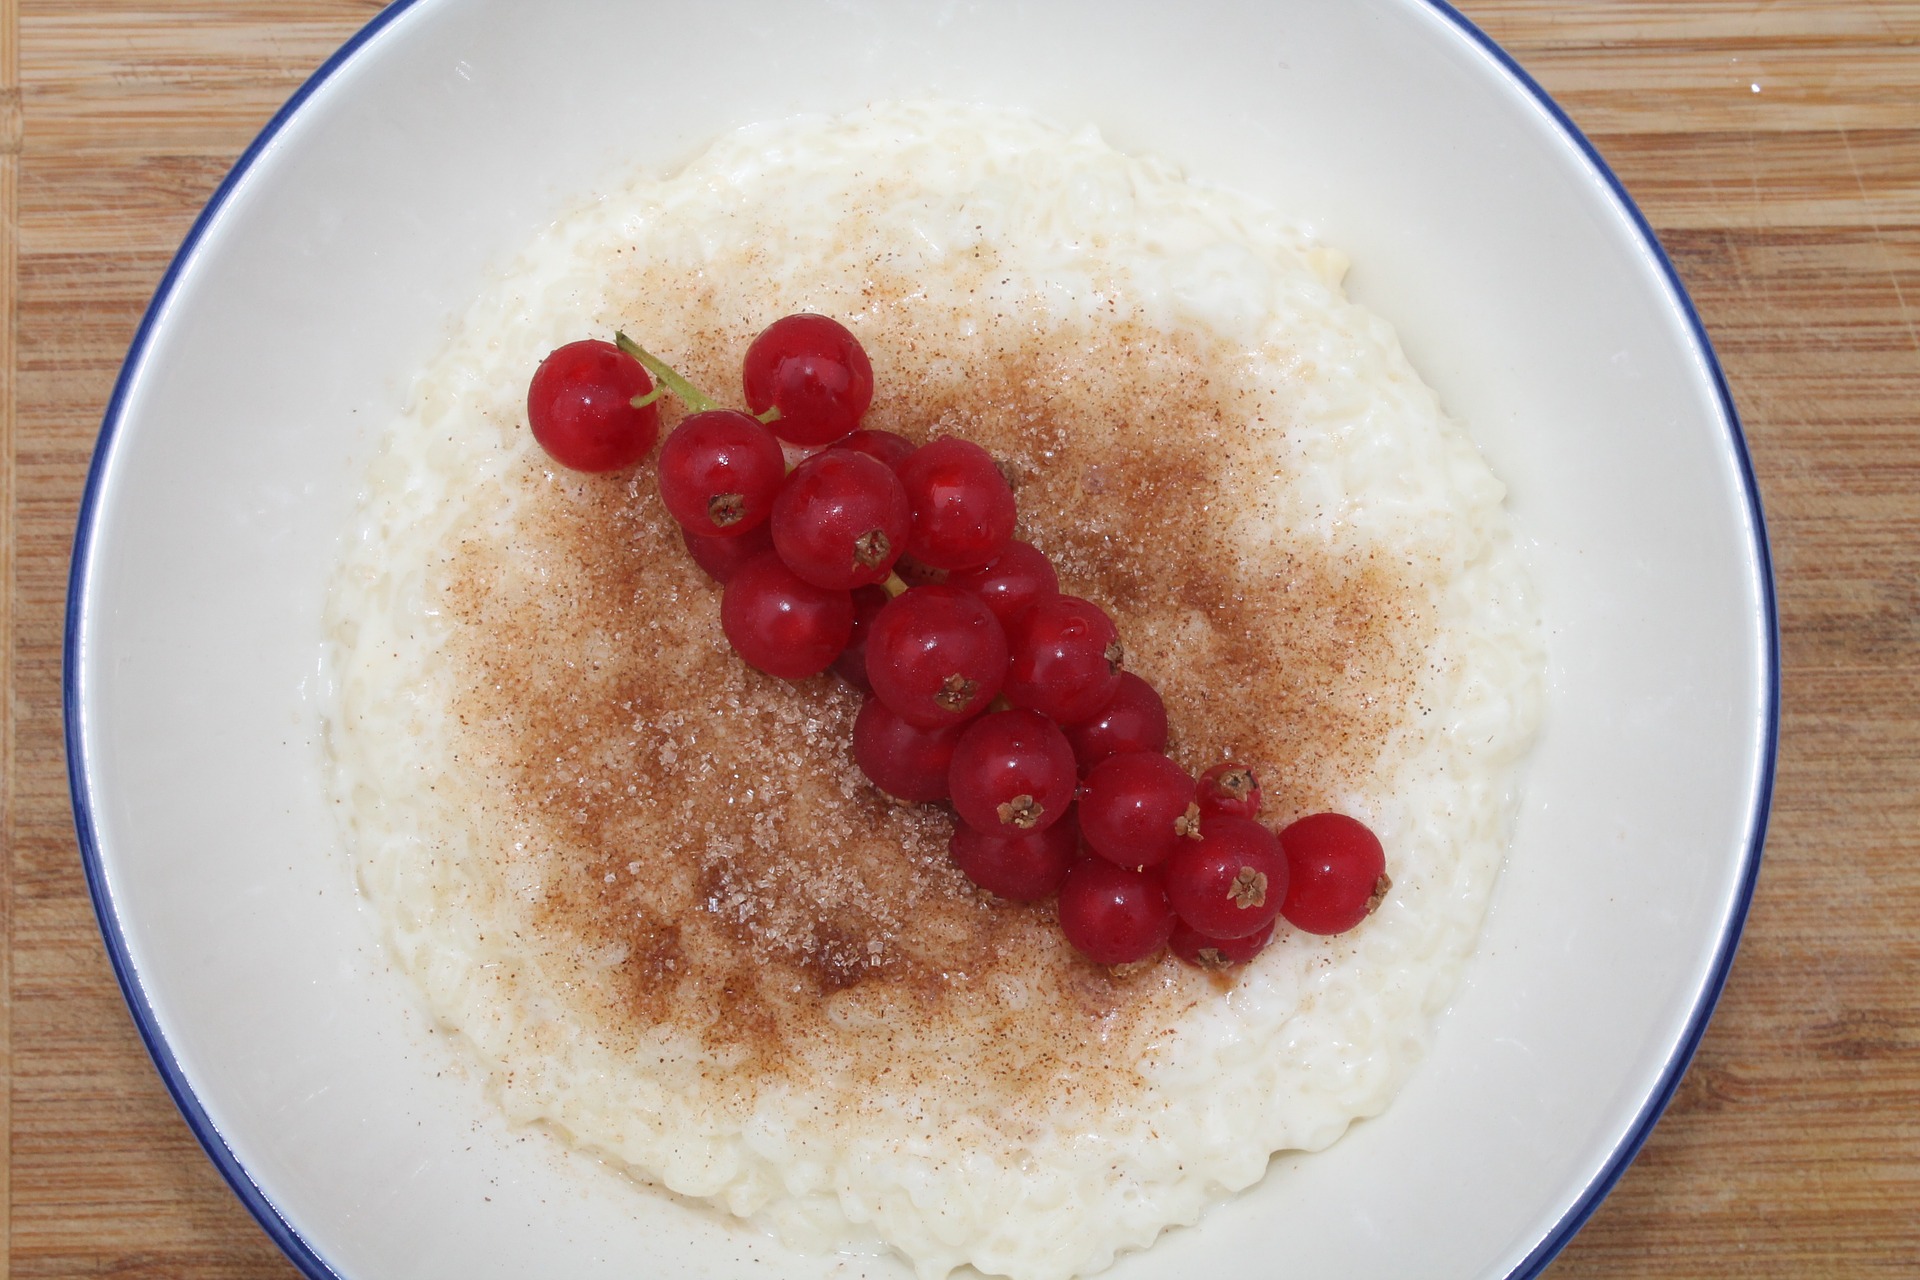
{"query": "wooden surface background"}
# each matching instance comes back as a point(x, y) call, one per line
point(1775, 147)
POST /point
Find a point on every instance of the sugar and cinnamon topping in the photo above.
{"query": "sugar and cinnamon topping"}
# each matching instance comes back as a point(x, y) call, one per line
point(707, 823)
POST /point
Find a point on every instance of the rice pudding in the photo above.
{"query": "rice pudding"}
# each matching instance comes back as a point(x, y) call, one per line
point(648, 884)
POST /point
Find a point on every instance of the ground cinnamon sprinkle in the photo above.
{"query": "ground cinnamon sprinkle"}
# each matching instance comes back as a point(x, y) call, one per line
point(710, 857)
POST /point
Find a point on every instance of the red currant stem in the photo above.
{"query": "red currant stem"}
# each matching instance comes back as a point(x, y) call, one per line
point(643, 400)
point(771, 416)
point(696, 399)
point(999, 703)
point(895, 585)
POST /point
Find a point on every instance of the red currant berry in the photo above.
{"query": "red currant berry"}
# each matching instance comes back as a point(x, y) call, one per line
point(1112, 915)
point(1339, 873)
point(719, 472)
point(841, 520)
point(963, 509)
point(1228, 790)
point(1064, 659)
point(1023, 868)
point(886, 446)
point(720, 557)
point(580, 407)
point(851, 665)
point(1012, 773)
point(1199, 950)
point(1011, 582)
point(936, 655)
point(782, 624)
point(1230, 882)
point(1134, 719)
point(814, 372)
point(906, 762)
point(1136, 809)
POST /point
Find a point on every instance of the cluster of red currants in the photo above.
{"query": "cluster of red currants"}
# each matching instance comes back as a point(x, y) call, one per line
point(986, 686)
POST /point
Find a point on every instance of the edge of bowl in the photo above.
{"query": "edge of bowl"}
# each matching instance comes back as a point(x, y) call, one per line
point(261, 1206)
point(251, 1195)
point(1708, 996)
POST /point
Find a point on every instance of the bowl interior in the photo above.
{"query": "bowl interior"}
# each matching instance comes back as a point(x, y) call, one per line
point(330, 270)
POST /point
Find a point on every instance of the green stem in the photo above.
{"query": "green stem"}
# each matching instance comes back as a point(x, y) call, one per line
point(696, 399)
point(895, 584)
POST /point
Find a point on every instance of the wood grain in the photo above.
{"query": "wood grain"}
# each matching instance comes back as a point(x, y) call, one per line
point(1775, 147)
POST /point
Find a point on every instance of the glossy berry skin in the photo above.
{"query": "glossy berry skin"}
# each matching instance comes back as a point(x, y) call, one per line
point(851, 665)
point(1023, 868)
point(719, 472)
point(936, 655)
point(841, 520)
point(1136, 809)
point(1012, 582)
point(1231, 881)
point(720, 557)
point(1112, 915)
point(1338, 870)
point(781, 624)
point(963, 508)
point(1202, 952)
point(1134, 719)
point(884, 446)
point(814, 371)
point(907, 763)
point(1064, 659)
point(1012, 773)
point(1228, 790)
point(580, 407)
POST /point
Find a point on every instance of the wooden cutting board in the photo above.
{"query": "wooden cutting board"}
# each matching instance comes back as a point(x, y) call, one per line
point(1775, 147)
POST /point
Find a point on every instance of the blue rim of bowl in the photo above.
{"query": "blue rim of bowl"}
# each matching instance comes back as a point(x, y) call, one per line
point(1676, 1066)
point(262, 1207)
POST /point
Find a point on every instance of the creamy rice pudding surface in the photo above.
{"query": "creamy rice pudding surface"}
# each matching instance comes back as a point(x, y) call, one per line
point(648, 884)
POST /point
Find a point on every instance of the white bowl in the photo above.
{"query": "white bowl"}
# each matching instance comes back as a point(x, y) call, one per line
point(1526, 287)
